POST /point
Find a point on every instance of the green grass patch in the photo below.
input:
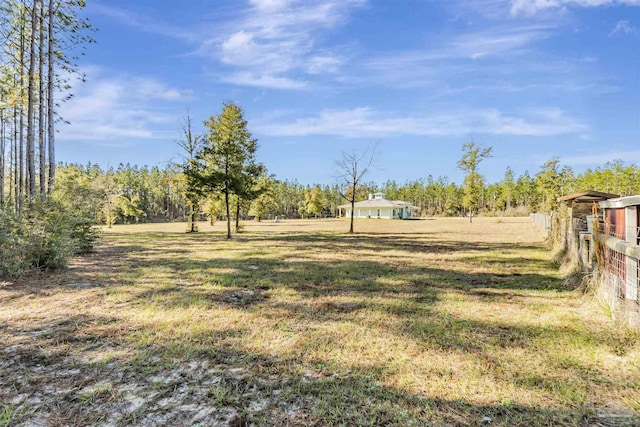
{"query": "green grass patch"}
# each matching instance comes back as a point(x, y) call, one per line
point(405, 323)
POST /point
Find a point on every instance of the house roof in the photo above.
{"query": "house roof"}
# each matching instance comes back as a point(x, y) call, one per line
point(621, 202)
point(587, 196)
point(379, 203)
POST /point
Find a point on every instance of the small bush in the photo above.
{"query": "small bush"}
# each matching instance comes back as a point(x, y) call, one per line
point(44, 237)
point(13, 248)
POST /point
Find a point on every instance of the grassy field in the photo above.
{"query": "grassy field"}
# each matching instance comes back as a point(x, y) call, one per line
point(429, 322)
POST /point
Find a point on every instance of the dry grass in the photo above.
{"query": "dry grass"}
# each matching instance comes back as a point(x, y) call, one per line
point(297, 323)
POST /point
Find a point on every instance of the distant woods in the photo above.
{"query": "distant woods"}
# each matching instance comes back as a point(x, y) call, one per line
point(129, 194)
point(41, 39)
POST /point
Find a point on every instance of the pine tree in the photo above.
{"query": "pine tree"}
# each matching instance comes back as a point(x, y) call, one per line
point(228, 157)
point(473, 183)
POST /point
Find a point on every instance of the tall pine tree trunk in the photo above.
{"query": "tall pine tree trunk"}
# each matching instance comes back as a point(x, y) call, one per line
point(193, 217)
point(31, 161)
point(15, 168)
point(10, 163)
point(2, 158)
point(226, 199)
point(50, 102)
point(238, 215)
point(42, 166)
point(21, 173)
point(226, 202)
point(193, 220)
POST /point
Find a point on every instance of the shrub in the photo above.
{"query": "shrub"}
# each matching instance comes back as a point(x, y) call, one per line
point(13, 249)
point(44, 237)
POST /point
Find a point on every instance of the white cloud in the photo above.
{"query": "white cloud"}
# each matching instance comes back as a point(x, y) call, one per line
point(264, 81)
point(531, 7)
point(624, 27)
point(239, 42)
point(324, 64)
point(504, 51)
point(269, 4)
point(495, 41)
point(151, 89)
point(276, 39)
point(539, 86)
point(489, 9)
point(367, 122)
point(109, 106)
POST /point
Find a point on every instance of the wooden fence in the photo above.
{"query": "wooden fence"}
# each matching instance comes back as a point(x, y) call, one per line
point(543, 221)
point(610, 256)
point(618, 271)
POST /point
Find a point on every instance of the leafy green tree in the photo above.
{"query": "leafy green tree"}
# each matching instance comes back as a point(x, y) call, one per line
point(617, 178)
point(79, 190)
point(314, 200)
point(247, 189)
point(525, 191)
point(213, 206)
point(332, 199)
point(130, 207)
point(508, 185)
point(265, 202)
point(228, 155)
point(549, 184)
point(288, 195)
point(391, 189)
point(473, 183)
point(78, 198)
point(452, 199)
point(495, 198)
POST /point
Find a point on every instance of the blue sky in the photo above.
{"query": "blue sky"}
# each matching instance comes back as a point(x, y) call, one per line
point(532, 78)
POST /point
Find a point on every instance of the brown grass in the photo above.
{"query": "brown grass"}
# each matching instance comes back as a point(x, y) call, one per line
point(433, 321)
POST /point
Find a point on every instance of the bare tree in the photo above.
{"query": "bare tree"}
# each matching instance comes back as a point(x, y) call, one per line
point(352, 168)
point(191, 146)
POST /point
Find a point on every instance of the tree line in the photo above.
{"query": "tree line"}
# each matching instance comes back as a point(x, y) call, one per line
point(130, 194)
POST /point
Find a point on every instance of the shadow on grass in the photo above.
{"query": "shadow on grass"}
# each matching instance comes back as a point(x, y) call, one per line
point(166, 277)
point(209, 375)
point(248, 283)
point(396, 241)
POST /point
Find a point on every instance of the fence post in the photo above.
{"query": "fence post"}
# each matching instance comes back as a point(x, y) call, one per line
point(631, 236)
point(543, 221)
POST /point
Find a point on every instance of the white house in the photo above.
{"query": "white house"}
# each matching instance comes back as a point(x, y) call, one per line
point(379, 207)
